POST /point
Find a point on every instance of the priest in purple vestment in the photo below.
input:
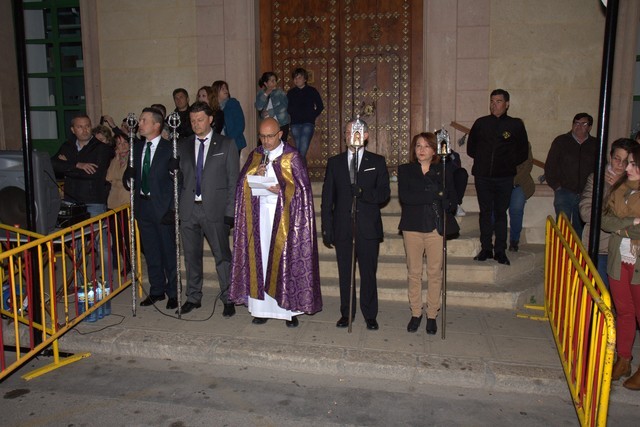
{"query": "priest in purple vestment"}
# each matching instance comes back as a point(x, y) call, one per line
point(275, 270)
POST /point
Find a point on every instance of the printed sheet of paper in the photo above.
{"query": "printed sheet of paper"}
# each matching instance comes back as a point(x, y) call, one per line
point(260, 184)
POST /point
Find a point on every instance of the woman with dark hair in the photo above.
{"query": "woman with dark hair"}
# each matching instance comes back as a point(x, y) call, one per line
point(615, 170)
point(204, 93)
point(420, 189)
point(305, 105)
point(271, 101)
point(227, 113)
point(621, 217)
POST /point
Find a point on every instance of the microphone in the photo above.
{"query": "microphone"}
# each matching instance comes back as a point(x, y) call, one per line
point(265, 158)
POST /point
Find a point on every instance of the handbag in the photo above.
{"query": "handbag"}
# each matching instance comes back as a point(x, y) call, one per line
point(453, 229)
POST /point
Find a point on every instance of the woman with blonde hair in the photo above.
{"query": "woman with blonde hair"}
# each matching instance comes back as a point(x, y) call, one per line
point(420, 188)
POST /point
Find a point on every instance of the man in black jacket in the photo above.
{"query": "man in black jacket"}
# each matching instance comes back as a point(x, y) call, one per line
point(370, 186)
point(497, 143)
point(84, 163)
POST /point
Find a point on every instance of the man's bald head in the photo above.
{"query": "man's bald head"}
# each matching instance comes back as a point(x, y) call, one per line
point(270, 133)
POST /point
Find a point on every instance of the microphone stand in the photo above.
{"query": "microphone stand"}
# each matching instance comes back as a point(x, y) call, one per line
point(132, 122)
point(174, 122)
point(444, 149)
point(357, 133)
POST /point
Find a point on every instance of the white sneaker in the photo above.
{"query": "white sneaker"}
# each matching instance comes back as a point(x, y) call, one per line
point(460, 211)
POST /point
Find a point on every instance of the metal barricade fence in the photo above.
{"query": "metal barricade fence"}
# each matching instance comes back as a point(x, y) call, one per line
point(51, 283)
point(579, 309)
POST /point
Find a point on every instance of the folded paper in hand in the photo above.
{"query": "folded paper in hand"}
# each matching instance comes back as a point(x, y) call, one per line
point(260, 184)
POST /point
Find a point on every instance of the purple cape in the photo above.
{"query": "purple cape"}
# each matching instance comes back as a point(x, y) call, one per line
point(293, 273)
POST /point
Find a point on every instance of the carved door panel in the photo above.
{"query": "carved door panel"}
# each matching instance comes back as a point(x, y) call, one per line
point(376, 63)
point(358, 54)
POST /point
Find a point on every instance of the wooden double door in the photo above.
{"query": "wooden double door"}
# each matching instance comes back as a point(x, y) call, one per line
point(363, 56)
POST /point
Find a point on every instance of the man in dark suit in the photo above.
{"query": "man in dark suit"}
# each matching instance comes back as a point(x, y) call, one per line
point(153, 206)
point(209, 167)
point(371, 189)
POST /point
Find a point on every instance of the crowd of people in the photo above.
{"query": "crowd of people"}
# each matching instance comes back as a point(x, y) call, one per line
point(267, 201)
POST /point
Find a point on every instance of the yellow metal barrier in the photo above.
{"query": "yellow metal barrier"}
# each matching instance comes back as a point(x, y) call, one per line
point(579, 309)
point(51, 283)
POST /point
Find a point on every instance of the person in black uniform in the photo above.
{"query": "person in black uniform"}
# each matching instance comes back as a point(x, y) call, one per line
point(497, 143)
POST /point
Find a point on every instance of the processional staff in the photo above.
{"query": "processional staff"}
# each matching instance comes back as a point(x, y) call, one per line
point(174, 122)
point(132, 122)
point(356, 141)
point(444, 150)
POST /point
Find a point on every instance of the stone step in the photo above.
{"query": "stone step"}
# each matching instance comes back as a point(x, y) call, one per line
point(529, 288)
point(477, 277)
point(390, 221)
point(538, 207)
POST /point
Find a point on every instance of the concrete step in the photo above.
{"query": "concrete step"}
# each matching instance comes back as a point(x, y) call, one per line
point(538, 207)
point(470, 283)
point(390, 221)
point(393, 245)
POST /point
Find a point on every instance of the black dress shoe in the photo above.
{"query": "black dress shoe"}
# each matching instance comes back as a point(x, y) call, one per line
point(172, 303)
point(513, 246)
point(150, 300)
point(484, 255)
point(229, 310)
point(293, 323)
point(501, 257)
point(343, 322)
point(414, 324)
point(432, 326)
point(372, 325)
point(188, 306)
point(259, 320)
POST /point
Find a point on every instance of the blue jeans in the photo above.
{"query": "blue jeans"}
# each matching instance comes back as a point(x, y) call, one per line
point(302, 134)
point(96, 209)
point(568, 202)
point(516, 213)
point(602, 268)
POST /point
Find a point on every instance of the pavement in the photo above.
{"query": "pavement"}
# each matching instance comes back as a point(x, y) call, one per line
point(492, 349)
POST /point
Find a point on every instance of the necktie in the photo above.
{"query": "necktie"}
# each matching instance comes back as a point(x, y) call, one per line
point(146, 168)
point(200, 166)
point(353, 168)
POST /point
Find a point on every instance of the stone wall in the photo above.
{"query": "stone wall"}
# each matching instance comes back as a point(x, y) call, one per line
point(147, 49)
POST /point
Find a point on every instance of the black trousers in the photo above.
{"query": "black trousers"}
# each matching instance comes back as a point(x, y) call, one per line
point(367, 259)
point(494, 195)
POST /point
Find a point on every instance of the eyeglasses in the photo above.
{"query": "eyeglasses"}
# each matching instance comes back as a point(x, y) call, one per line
point(619, 160)
point(584, 124)
point(273, 135)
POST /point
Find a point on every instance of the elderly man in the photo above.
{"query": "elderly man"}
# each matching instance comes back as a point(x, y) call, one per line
point(571, 159)
point(275, 270)
point(371, 189)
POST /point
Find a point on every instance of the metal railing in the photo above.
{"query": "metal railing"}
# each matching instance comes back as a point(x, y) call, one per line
point(51, 283)
point(579, 309)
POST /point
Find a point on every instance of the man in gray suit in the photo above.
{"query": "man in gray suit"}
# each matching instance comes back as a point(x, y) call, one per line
point(209, 170)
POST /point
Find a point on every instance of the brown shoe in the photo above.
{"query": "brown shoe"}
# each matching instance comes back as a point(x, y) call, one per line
point(622, 368)
point(633, 383)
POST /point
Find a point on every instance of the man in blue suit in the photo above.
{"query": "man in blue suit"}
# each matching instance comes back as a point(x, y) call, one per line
point(370, 186)
point(153, 205)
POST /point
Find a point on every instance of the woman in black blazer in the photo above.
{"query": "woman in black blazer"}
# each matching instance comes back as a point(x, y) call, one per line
point(422, 198)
